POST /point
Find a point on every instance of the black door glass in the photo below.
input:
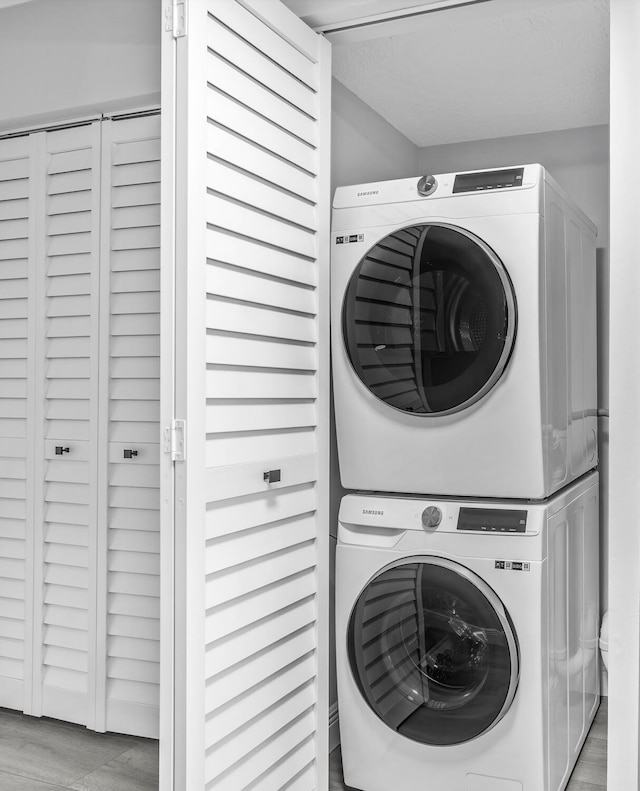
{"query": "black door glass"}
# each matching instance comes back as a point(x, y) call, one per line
point(429, 319)
point(430, 654)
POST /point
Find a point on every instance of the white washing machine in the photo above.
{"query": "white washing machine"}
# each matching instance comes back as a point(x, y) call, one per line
point(464, 335)
point(466, 640)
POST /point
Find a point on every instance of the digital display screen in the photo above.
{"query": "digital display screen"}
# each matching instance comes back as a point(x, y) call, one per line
point(492, 520)
point(492, 179)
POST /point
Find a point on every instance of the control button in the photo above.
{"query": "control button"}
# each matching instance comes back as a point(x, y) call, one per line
point(431, 516)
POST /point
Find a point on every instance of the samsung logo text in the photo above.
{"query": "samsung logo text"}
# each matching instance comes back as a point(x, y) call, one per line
point(375, 513)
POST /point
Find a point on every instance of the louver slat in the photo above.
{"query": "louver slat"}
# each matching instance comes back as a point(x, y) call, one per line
point(240, 85)
point(255, 61)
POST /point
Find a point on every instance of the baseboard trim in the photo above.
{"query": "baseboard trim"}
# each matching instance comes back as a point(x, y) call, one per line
point(12, 694)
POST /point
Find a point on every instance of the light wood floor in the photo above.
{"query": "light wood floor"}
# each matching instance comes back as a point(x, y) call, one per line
point(47, 755)
point(590, 773)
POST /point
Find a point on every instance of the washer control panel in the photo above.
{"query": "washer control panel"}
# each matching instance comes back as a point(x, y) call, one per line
point(492, 520)
point(387, 518)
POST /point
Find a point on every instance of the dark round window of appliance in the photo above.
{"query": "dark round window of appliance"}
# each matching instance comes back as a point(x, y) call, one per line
point(433, 652)
point(429, 319)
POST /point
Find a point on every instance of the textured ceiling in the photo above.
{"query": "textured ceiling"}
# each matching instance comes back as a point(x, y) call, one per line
point(492, 70)
point(329, 14)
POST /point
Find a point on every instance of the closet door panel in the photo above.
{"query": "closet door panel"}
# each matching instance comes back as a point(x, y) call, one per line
point(131, 227)
point(251, 383)
point(17, 260)
point(66, 510)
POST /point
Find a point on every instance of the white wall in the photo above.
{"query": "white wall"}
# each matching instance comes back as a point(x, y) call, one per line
point(623, 770)
point(579, 160)
point(364, 147)
point(62, 59)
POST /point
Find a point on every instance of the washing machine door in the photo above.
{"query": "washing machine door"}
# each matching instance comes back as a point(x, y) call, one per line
point(433, 651)
point(429, 319)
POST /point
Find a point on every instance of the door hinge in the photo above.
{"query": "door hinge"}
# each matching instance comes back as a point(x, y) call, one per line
point(175, 19)
point(174, 440)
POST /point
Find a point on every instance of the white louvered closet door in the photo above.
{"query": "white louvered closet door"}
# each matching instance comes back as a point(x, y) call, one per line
point(251, 373)
point(130, 314)
point(17, 262)
point(66, 341)
point(79, 424)
point(49, 200)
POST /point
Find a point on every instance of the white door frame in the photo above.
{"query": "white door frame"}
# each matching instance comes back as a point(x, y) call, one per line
point(167, 409)
point(624, 381)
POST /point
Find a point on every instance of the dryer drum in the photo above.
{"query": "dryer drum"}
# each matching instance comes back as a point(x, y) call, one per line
point(433, 651)
point(466, 316)
point(429, 319)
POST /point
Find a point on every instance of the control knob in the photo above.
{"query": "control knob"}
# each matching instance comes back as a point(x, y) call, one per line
point(431, 516)
point(427, 185)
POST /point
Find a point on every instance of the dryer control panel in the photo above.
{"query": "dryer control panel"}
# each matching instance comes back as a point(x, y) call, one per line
point(488, 180)
point(521, 186)
point(492, 520)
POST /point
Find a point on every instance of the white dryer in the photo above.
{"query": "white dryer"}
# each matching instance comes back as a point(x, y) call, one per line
point(466, 640)
point(464, 335)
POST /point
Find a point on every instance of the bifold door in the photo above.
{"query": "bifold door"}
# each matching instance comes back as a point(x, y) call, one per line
point(250, 146)
point(17, 267)
point(49, 211)
point(65, 324)
point(79, 385)
point(130, 293)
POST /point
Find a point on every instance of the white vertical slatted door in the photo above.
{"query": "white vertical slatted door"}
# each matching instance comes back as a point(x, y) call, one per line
point(66, 497)
point(131, 190)
point(16, 253)
point(252, 383)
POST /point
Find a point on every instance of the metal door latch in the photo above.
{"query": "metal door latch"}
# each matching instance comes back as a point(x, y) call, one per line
point(129, 454)
point(272, 476)
point(60, 450)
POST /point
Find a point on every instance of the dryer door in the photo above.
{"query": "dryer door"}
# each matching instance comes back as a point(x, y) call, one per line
point(433, 651)
point(429, 319)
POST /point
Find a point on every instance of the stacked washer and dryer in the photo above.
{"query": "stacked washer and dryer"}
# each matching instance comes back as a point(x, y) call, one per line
point(464, 359)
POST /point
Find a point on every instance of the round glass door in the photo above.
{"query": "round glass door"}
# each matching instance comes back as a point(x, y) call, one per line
point(433, 651)
point(429, 319)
